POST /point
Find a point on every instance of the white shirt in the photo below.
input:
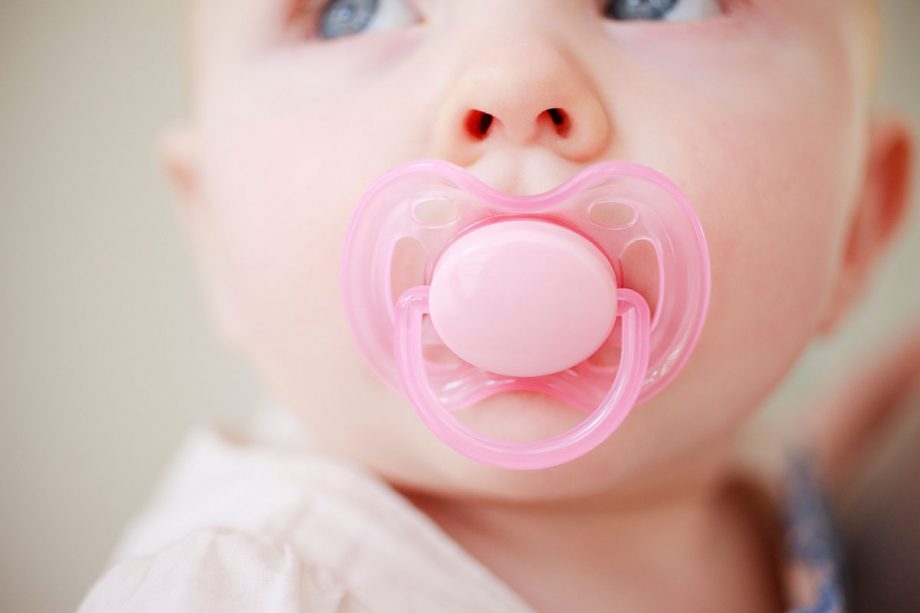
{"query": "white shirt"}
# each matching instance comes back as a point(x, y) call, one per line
point(258, 524)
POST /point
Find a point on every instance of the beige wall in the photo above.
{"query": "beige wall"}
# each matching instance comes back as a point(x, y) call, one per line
point(105, 357)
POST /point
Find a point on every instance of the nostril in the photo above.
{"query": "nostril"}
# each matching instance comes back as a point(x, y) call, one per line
point(478, 124)
point(560, 119)
point(557, 115)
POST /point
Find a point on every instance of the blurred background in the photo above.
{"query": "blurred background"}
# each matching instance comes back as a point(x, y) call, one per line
point(106, 356)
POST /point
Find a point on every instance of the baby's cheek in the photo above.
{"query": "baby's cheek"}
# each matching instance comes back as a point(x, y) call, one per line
point(767, 166)
point(280, 190)
point(279, 229)
point(772, 197)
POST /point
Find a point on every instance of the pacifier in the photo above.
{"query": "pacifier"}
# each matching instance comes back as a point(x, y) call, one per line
point(515, 292)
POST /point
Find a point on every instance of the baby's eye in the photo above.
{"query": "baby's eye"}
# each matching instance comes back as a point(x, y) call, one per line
point(345, 17)
point(669, 10)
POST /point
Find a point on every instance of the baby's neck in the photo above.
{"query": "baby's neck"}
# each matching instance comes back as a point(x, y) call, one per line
point(698, 548)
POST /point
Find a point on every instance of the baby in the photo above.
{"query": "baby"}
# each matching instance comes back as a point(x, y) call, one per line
point(338, 498)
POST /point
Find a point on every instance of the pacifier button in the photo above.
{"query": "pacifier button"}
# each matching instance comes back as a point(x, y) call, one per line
point(523, 298)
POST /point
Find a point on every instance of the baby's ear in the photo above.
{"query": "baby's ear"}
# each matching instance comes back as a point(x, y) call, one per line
point(179, 153)
point(879, 211)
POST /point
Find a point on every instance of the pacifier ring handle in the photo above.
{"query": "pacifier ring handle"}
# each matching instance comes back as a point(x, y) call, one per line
point(597, 427)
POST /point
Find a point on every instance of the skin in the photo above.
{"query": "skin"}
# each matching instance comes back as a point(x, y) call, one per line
point(762, 115)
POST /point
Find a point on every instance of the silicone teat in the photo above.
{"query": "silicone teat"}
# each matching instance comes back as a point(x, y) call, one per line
point(521, 293)
point(523, 298)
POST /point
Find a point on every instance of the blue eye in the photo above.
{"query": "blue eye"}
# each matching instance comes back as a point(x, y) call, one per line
point(669, 10)
point(341, 18)
point(347, 17)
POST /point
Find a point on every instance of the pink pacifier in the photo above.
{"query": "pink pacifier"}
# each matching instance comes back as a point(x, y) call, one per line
point(523, 293)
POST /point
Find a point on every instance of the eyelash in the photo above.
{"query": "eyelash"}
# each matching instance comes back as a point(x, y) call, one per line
point(725, 6)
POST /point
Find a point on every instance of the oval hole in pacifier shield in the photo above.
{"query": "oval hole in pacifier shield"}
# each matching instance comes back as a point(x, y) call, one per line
point(641, 271)
point(434, 211)
point(612, 214)
point(407, 266)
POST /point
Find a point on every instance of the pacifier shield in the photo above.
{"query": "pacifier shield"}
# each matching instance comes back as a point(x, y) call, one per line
point(519, 291)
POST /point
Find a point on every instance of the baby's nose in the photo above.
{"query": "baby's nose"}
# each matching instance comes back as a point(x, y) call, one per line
point(524, 93)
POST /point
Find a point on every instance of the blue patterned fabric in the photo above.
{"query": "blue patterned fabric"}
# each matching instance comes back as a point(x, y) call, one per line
point(813, 551)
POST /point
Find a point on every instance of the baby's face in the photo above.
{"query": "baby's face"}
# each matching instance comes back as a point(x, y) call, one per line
point(755, 108)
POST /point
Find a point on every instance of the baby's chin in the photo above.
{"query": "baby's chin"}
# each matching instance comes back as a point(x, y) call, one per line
point(516, 416)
